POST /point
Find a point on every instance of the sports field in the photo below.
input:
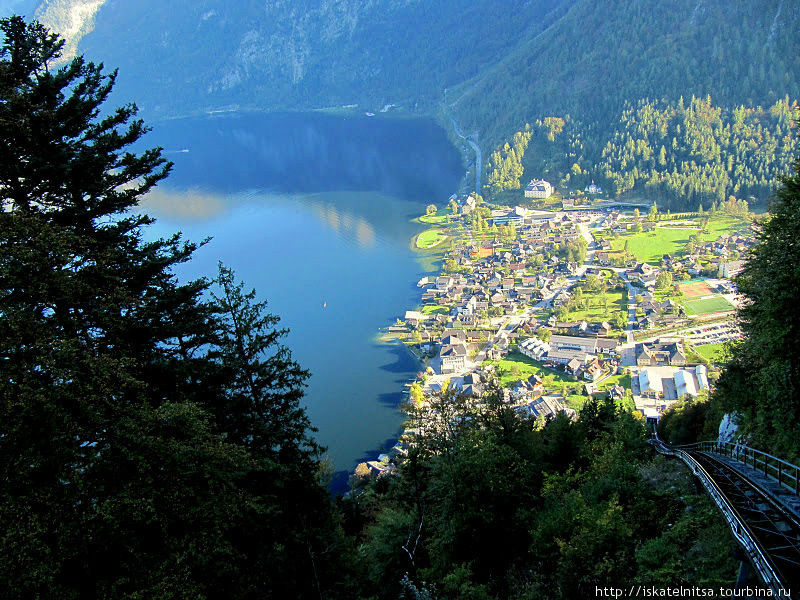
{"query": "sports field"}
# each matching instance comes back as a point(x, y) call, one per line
point(694, 289)
point(707, 306)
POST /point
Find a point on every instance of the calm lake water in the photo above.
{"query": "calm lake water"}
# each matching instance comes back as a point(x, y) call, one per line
point(314, 213)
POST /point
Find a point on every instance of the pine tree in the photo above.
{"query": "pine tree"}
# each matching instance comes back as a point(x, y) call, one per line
point(760, 382)
point(653, 214)
point(148, 445)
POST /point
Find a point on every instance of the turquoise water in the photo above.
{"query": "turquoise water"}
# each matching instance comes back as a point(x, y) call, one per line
point(314, 213)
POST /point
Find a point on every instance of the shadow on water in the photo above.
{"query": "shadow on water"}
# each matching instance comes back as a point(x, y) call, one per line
point(403, 362)
point(339, 480)
point(309, 152)
point(391, 399)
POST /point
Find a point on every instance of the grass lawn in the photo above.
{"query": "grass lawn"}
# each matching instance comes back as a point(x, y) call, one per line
point(716, 353)
point(706, 306)
point(576, 401)
point(649, 247)
point(434, 219)
point(516, 366)
point(433, 309)
point(621, 379)
point(595, 312)
point(430, 238)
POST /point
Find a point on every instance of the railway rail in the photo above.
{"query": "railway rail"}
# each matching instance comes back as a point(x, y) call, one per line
point(767, 530)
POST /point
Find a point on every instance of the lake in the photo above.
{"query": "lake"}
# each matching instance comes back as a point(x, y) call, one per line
point(314, 212)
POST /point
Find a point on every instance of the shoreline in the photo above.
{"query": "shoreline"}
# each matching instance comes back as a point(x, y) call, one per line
point(428, 259)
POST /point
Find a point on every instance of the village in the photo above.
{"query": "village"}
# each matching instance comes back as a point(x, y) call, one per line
point(554, 304)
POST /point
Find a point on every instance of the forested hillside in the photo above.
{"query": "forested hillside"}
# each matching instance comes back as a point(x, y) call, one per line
point(491, 506)
point(501, 68)
point(599, 56)
point(683, 154)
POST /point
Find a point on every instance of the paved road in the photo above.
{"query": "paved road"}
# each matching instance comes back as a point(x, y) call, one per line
point(591, 248)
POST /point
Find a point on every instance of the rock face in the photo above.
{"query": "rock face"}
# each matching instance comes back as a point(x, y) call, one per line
point(73, 19)
point(728, 428)
point(493, 69)
point(177, 56)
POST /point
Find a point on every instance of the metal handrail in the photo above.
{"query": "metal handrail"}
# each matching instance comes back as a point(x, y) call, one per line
point(738, 526)
point(786, 474)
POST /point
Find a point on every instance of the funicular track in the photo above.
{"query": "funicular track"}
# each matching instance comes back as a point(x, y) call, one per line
point(768, 531)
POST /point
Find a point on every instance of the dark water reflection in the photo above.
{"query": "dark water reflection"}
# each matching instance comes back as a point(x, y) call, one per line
point(302, 153)
point(315, 214)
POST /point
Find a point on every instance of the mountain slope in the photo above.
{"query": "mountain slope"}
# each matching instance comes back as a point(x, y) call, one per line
point(601, 54)
point(305, 54)
point(500, 64)
point(495, 67)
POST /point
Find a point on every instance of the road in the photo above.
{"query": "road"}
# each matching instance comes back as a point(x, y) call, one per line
point(478, 154)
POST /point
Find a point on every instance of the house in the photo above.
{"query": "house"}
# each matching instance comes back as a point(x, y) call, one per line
point(464, 320)
point(472, 379)
point(561, 298)
point(494, 352)
point(453, 356)
point(701, 373)
point(497, 298)
point(643, 272)
point(534, 348)
point(444, 283)
point(730, 268)
point(646, 322)
point(606, 345)
point(593, 188)
point(469, 205)
point(667, 353)
point(453, 336)
point(467, 307)
point(574, 366)
point(685, 383)
point(593, 371)
point(495, 282)
point(544, 406)
point(604, 258)
point(650, 385)
point(473, 390)
point(538, 188)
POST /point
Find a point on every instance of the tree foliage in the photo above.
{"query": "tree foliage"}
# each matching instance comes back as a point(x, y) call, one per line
point(505, 164)
point(683, 154)
point(760, 382)
point(151, 438)
point(708, 153)
point(492, 505)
